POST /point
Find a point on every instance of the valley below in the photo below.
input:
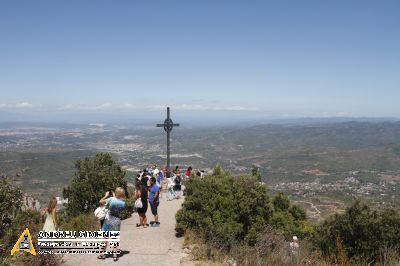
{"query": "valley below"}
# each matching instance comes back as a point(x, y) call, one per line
point(322, 167)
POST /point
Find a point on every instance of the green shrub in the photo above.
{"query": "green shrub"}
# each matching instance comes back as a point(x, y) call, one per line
point(93, 177)
point(82, 222)
point(227, 210)
point(255, 171)
point(220, 208)
point(363, 233)
point(281, 202)
point(298, 213)
point(291, 220)
point(10, 199)
point(25, 219)
point(129, 208)
point(31, 220)
point(13, 222)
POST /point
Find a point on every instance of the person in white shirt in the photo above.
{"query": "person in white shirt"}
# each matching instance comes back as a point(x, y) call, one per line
point(171, 194)
point(294, 246)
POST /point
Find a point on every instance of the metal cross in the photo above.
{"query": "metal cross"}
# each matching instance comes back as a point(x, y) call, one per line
point(168, 126)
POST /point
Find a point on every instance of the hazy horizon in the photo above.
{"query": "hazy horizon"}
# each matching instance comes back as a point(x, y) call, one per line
point(186, 119)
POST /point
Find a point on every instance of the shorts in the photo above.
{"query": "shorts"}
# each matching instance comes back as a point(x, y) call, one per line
point(143, 210)
point(154, 207)
point(111, 223)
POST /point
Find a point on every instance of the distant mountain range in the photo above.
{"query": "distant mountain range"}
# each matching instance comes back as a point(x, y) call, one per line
point(186, 119)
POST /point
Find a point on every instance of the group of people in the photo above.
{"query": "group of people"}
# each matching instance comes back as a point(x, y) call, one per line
point(148, 190)
point(170, 181)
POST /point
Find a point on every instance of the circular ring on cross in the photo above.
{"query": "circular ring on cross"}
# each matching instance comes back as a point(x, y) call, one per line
point(168, 125)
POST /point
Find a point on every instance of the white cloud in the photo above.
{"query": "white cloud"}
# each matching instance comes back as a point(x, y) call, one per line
point(24, 105)
point(103, 106)
point(188, 107)
point(72, 107)
point(198, 107)
point(129, 107)
point(68, 107)
point(83, 107)
point(240, 108)
point(20, 105)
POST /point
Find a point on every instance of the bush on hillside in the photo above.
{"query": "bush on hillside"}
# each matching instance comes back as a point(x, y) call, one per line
point(129, 208)
point(31, 220)
point(93, 177)
point(82, 222)
point(25, 219)
point(364, 234)
point(13, 222)
point(227, 210)
point(255, 171)
point(291, 220)
point(281, 202)
point(224, 208)
point(10, 198)
point(298, 213)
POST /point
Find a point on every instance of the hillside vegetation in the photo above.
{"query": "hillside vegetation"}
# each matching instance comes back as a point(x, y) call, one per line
point(233, 218)
point(93, 176)
point(224, 218)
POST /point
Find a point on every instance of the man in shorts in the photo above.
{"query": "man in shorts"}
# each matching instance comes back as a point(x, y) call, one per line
point(154, 201)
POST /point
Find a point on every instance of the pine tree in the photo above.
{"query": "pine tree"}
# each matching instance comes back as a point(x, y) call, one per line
point(93, 177)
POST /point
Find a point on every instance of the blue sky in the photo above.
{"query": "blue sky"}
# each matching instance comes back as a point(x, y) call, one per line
point(272, 58)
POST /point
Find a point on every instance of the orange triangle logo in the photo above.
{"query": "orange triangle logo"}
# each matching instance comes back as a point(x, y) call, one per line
point(24, 243)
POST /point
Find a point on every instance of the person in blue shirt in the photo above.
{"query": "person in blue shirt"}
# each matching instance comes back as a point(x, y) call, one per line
point(160, 175)
point(112, 222)
point(154, 201)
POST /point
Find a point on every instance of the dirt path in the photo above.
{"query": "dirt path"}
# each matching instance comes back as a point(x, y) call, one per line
point(149, 246)
point(318, 212)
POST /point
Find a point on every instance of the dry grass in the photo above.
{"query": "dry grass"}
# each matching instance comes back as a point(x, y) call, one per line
point(272, 249)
